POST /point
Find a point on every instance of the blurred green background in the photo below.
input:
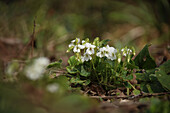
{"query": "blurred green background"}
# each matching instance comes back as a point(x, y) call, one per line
point(125, 22)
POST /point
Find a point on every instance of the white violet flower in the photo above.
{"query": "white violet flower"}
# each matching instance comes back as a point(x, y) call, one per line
point(90, 48)
point(71, 45)
point(83, 42)
point(102, 52)
point(74, 42)
point(81, 46)
point(86, 57)
point(109, 52)
point(77, 48)
point(112, 53)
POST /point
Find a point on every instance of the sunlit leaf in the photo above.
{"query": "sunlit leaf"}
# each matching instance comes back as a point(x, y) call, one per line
point(136, 92)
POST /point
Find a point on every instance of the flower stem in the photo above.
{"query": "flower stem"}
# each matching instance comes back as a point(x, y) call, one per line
point(132, 85)
point(128, 91)
point(95, 70)
point(106, 75)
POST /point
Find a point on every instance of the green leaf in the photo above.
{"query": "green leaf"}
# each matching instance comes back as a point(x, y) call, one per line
point(162, 75)
point(145, 76)
point(56, 64)
point(100, 67)
point(153, 77)
point(76, 81)
point(104, 42)
point(110, 62)
point(143, 60)
point(149, 82)
point(164, 79)
point(143, 87)
point(155, 80)
point(127, 85)
point(152, 87)
point(87, 82)
point(69, 49)
point(132, 66)
point(117, 74)
point(156, 87)
point(149, 88)
point(72, 61)
point(84, 72)
point(71, 70)
point(129, 77)
point(165, 67)
point(142, 77)
point(123, 74)
point(136, 92)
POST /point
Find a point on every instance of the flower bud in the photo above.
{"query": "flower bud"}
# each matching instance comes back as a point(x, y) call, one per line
point(119, 57)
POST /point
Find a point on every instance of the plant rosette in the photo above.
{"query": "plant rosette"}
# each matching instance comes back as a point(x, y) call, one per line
point(98, 63)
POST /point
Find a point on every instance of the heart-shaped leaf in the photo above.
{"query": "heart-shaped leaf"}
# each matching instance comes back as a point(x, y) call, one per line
point(143, 60)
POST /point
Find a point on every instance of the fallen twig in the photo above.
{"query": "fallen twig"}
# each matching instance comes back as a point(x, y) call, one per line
point(130, 97)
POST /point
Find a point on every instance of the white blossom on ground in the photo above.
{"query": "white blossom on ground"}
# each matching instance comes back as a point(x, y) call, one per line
point(42, 61)
point(37, 69)
point(52, 88)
